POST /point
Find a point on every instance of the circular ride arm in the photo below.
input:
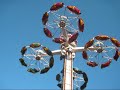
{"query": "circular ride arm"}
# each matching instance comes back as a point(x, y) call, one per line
point(79, 79)
point(61, 21)
point(105, 49)
point(37, 58)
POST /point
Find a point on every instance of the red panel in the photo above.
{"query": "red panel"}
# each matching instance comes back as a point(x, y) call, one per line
point(59, 40)
point(81, 25)
point(115, 42)
point(74, 9)
point(73, 37)
point(92, 64)
point(116, 55)
point(45, 18)
point(102, 37)
point(89, 43)
point(57, 6)
point(47, 33)
point(106, 64)
point(84, 54)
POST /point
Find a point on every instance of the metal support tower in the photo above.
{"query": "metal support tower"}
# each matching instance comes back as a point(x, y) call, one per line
point(68, 72)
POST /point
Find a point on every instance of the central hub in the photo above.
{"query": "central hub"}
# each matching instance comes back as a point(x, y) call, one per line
point(38, 57)
point(100, 46)
point(62, 24)
point(63, 20)
point(99, 50)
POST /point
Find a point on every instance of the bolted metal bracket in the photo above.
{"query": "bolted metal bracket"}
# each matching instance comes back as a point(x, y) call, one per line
point(65, 50)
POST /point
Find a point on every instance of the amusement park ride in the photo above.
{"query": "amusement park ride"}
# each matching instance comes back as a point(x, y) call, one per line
point(62, 24)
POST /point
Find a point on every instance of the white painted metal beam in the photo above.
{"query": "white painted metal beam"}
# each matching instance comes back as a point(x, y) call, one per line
point(68, 72)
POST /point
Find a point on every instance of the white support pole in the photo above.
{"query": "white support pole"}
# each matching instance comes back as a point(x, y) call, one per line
point(68, 72)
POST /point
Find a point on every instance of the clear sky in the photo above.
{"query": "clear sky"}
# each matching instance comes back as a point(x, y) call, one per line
point(20, 24)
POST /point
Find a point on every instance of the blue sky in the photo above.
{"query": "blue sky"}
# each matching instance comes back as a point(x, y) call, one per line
point(20, 24)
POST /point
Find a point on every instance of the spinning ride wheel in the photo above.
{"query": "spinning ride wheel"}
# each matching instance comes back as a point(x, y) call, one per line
point(61, 21)
point(36, 58)
point(101, 50)
point(80, 79)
